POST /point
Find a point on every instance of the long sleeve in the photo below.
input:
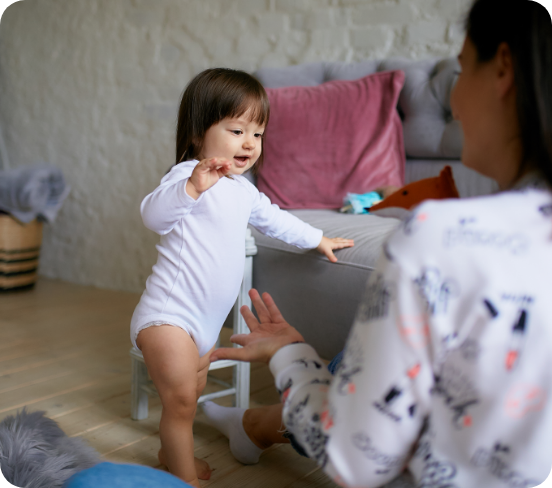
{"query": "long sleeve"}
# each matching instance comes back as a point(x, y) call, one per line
point(169, 202)
point(269, 219)
point(362, 424)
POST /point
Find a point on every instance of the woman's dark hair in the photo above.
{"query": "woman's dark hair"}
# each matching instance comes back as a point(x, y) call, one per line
point(526, 28)
point(212, 96)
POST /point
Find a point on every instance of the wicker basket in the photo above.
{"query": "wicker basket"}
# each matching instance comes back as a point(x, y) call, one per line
point(19, 251)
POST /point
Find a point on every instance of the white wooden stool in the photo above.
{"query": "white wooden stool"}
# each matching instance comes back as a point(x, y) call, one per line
point(142, 386)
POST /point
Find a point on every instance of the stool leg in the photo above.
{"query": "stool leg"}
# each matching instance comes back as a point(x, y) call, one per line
point(138, 397)
point(241, 382)
point(241, 374)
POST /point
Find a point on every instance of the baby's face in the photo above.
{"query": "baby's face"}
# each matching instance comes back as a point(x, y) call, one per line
point(239, 140)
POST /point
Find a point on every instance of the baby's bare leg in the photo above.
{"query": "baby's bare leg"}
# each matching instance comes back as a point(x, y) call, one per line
point(203, 469)
point(202, 372)
point(172, 357)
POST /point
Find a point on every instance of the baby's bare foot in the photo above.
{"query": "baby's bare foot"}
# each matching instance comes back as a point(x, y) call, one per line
point(203, 470)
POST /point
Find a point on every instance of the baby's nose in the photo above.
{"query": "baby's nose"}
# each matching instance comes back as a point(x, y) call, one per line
point(249, 143)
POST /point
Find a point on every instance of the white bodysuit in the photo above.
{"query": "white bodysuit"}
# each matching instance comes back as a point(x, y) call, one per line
point(201, 259)
point(448, 368)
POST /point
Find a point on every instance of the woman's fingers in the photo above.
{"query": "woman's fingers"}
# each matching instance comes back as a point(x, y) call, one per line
point(249, 318)
point(260, 307)
point(266, 309)
point(240, 339)
point(273, 310)
point(236, 353)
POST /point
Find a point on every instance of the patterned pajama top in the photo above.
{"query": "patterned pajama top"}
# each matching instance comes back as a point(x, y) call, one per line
point(448, 367)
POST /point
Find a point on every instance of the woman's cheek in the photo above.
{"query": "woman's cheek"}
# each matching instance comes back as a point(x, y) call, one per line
point(454, 95)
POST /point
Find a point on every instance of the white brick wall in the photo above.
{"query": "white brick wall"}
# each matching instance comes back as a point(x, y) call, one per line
point(386, 14)
point(93, 87)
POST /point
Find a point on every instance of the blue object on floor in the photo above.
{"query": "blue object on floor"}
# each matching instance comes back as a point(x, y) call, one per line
point(360, 204)
point(109, 475)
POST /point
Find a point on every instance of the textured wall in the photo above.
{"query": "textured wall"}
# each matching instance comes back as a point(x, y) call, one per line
point(93, 87)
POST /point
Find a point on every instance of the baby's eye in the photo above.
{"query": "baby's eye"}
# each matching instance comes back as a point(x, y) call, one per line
point(237, 132)
point(258, 135)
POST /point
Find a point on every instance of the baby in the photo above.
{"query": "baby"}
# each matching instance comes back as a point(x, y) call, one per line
point(201, 210)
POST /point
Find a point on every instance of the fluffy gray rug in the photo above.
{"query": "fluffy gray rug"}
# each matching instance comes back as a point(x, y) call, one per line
point(36, 453)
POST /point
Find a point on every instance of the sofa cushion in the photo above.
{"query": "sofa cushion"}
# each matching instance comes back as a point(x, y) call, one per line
point(338, 137)
point(429, 130)
point(312, 74)
point(308, 289)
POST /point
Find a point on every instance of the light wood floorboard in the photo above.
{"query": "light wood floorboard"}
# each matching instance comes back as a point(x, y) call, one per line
point(64, 349)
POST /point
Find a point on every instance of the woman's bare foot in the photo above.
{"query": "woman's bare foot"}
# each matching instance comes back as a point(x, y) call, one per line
point(203, 470)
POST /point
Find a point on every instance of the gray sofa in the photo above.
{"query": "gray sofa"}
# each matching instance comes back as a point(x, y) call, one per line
point(320, 298)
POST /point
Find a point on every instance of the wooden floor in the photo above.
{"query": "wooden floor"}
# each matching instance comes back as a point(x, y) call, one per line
point(64, 349)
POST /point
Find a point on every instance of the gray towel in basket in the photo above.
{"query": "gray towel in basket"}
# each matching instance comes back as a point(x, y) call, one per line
point(32, 191)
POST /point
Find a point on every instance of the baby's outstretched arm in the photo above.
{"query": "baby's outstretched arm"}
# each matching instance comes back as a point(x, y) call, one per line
point(206, 174)
point(327, 246)
point(279, 224)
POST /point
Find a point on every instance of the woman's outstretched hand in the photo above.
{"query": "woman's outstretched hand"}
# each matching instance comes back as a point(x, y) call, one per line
point(268, 334)
point(206, 173)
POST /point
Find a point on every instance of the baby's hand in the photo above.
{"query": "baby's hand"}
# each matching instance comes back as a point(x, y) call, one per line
point(327, 246)
point(206, 174)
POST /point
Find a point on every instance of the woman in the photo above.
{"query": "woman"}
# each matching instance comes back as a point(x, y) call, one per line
point(447, 370)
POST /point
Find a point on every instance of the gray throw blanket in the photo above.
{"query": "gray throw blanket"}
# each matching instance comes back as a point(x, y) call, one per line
point(32, 191)
point(36, 453)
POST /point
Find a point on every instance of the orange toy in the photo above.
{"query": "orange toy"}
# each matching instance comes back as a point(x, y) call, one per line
point(408, 196)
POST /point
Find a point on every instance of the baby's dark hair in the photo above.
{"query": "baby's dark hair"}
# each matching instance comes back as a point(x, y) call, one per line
point(213, 95)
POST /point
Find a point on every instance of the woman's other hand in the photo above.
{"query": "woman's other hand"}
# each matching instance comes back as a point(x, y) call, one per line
point(206, 173)
point(327, 246)
point(268, 334)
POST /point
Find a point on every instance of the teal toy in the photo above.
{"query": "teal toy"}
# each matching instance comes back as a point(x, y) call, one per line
point(360, 204)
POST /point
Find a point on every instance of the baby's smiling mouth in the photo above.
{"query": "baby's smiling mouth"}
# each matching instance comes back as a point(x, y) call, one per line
point(242, 159)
